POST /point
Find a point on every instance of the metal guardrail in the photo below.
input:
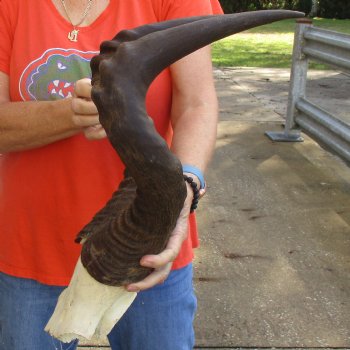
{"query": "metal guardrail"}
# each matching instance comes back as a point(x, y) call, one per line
point(328, 47)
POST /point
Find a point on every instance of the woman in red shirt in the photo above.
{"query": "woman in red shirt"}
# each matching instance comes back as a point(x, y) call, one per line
point(57, 169)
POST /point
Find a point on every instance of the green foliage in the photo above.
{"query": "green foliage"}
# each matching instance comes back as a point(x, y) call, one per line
point(231, 6)
point(305, 6)
point(334, 9)
point(326, 8)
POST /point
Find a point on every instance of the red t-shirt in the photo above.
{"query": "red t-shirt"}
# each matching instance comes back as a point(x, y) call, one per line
point(48, 194)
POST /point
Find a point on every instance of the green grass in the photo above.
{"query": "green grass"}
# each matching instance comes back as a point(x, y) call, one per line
point(268, 46)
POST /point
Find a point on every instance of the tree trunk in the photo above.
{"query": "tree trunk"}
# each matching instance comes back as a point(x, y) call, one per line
point(314, 8)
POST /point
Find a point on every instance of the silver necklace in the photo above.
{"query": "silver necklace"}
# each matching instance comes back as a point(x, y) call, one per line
point(73, 34)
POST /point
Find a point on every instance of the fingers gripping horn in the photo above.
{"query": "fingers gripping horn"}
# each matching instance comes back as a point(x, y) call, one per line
point(143, 212)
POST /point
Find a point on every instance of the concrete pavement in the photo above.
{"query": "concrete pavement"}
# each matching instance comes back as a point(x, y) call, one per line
point(273, 269)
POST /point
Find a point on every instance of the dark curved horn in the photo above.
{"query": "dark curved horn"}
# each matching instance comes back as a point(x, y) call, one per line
point(143, 212)
point(109, 47)
point(138, 32)
point(163, 47)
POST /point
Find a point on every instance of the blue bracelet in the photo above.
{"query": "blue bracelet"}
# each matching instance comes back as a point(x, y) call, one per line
point(195, 171)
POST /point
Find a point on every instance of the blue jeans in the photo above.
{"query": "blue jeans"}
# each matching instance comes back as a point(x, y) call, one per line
point(160, 318)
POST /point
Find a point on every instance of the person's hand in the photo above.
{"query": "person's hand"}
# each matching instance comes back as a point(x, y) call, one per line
point(162, 262)
point(85, 113)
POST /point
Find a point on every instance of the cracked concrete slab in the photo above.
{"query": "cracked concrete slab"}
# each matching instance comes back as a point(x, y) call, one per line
point(268, 88)
point(274, 264)
point(273, 269)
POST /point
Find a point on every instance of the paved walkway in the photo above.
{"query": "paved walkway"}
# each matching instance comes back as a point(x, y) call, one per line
point(273, 269)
